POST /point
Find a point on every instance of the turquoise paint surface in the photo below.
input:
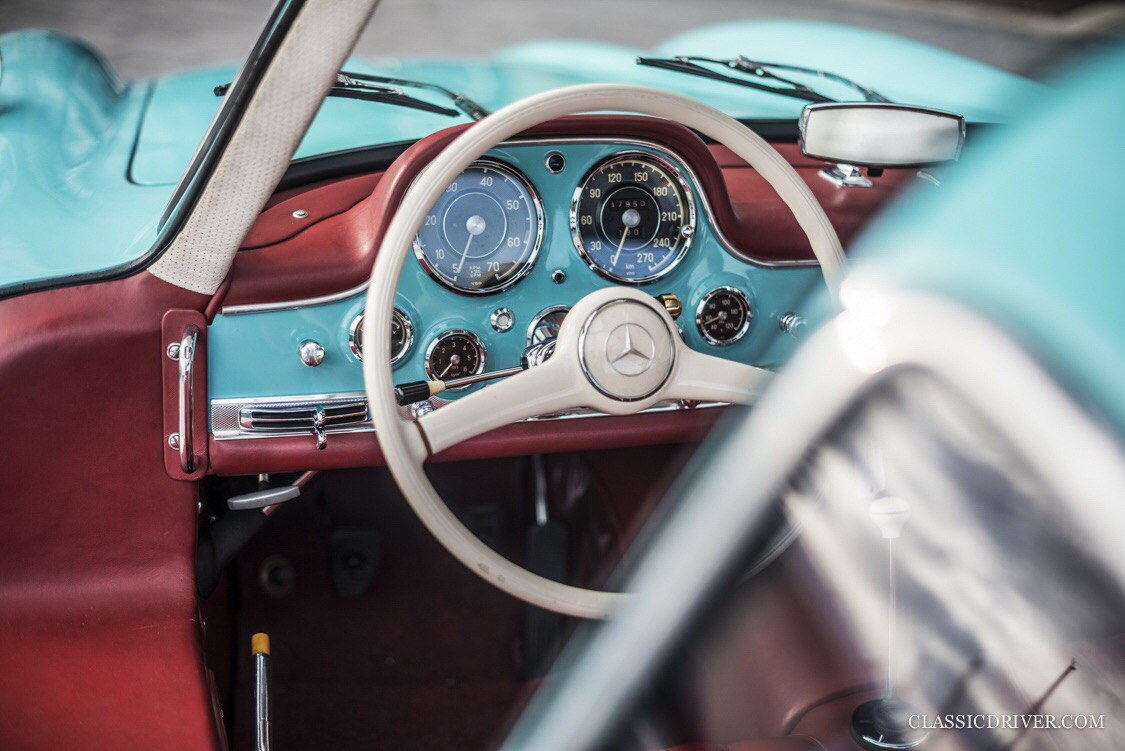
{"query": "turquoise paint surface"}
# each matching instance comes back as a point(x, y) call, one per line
point(75, 198)
point(1031, 232)
point(67, 128)
point(256, 354)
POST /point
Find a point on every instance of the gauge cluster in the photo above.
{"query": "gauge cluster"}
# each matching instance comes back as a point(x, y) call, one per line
point(526, 232)
point(516, 240)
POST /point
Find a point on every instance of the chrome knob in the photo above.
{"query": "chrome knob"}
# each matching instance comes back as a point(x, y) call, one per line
point(792, 324)
point(311, 353)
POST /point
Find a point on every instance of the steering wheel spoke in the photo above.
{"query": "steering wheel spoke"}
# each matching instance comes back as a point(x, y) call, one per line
point(542, 390)
point(712, 379)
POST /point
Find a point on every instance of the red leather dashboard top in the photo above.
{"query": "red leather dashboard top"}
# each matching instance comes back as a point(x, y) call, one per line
point(333, 247)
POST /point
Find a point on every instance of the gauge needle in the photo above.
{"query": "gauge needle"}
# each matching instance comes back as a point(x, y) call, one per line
point(475, 225)
point(453, 360)
point(631, 218)
point(722, 316)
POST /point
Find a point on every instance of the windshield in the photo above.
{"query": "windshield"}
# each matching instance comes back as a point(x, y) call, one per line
point(540, 48)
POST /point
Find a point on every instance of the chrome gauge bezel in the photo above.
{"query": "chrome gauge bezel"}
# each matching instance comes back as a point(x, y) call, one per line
point(742, 329)
point(445, 335)
point(677, 174)
point(407, 325)
point(539, 319)
point(528, 265)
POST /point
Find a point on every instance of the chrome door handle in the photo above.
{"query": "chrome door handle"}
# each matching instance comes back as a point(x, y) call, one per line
point(187, 396)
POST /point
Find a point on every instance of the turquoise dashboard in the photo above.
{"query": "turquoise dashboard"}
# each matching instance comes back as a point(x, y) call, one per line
point(254, 352)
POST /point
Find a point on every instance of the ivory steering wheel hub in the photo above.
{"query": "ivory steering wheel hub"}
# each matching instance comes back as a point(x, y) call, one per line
point(626, 350)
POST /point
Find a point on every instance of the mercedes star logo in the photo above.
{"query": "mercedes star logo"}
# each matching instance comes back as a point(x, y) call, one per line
point(630, 349)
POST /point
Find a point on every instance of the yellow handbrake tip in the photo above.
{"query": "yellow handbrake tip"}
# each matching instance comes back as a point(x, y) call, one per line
point(260, 644)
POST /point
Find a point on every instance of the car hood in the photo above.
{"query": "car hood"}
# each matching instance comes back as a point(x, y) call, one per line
point(181, 106)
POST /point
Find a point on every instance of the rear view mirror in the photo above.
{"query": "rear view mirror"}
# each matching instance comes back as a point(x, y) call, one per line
point(880, 134)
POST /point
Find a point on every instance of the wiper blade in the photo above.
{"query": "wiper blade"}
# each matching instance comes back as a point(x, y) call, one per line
point(460, 101)
point(690, 64)
point(349, 87)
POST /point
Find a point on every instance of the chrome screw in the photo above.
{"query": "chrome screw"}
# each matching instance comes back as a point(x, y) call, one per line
point(300, 214)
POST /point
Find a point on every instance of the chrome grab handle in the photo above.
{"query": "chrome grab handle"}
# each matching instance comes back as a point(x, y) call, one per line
point(187, 396)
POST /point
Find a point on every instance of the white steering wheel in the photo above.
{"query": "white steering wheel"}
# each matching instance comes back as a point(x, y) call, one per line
point(617, 350)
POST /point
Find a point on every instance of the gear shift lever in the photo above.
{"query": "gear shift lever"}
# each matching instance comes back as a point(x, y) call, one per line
point(883, 723)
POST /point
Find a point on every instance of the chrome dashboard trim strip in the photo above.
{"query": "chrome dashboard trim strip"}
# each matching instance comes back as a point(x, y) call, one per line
point(237, 403)
point(231, 310)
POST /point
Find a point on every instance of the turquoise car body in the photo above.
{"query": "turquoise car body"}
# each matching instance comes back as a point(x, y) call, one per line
point(88, 162)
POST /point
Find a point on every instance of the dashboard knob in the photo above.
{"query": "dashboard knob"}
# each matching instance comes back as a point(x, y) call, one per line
point(311, 353)
point(671, 304)
point(792, 324)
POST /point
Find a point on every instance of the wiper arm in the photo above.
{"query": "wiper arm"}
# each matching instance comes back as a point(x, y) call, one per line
point(691, 65)
point(460, 101)
point(349, 87)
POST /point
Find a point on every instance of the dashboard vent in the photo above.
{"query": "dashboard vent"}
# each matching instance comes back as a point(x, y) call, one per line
point(302, 418)
point(315, 415)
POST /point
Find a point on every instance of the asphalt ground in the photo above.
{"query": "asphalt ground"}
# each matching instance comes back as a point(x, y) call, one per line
point(144, 38)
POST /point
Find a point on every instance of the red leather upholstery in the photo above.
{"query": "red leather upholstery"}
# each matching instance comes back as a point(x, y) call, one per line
point(99, 636)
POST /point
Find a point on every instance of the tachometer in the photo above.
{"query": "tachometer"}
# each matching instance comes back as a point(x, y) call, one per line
point(633, 217)
point(483, 234)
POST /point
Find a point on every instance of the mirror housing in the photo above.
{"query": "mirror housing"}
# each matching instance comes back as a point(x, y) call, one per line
point(880, 134)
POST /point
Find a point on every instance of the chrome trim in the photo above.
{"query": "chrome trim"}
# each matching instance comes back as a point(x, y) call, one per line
point(528, 264)
point(590, 376)
point(538, 319)
point(355, 332)
point(433, 402)
point(745, 324)
point(701, 195)
point(687, 228)
point(311, 353)
point(445, 335)
point(187, 397)
point(496, 320)
point(233, 410)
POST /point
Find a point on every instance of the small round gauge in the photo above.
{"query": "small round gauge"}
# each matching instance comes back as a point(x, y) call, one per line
point(402, 336)
point(723, 316)
point(483, 234)
point(633, 217)
point(454, 354)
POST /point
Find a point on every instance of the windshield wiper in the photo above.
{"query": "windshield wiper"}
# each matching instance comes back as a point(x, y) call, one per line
point(690, 64)
point(460, 101)
point(370, 88)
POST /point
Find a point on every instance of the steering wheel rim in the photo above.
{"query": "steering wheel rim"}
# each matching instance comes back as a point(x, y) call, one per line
point(404, 443)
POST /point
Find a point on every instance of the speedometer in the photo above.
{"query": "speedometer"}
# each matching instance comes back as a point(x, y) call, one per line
point(484, 232)
point(633, 217)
